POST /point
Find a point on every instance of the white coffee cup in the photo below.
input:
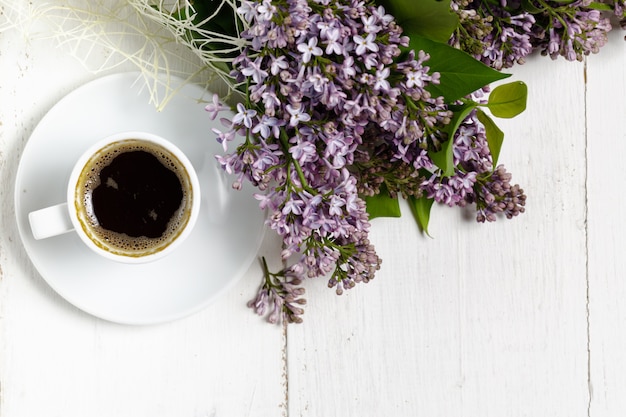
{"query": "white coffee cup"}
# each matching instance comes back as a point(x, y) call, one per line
point(137, 198)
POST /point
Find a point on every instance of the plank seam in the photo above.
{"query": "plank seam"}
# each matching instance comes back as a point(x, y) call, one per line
point(586, 232)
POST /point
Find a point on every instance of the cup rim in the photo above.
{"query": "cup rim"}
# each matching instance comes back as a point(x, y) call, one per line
point(141, 136)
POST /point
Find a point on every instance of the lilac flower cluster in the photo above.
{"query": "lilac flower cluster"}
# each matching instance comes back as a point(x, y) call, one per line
point(502, 33)
point(333, 111)
point(572, 30)
point(493, 33)
point(280, 295)
point(475, 181)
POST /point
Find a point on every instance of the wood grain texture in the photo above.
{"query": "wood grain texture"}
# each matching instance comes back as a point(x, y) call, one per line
point(482, 320)
point(606, 113)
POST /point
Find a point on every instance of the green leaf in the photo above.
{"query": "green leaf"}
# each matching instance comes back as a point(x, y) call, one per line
point(382, 204)
point(444, 158)
point(508, 100)
point(460, 73)
point(420, 207)
point(600, 6)
point(432, 19)
point(495, 137)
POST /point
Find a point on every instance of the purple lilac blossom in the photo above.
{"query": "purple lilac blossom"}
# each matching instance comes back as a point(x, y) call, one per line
point(475, 181)
point(334, 113)
point(503, 33)
point(572, 31)
point(497, 35)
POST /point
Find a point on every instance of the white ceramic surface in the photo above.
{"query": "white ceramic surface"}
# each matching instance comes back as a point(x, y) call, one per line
point(220, 249)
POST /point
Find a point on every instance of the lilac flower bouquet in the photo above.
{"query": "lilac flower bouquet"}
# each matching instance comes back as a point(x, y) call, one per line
point(338, 121)
point(340, 109)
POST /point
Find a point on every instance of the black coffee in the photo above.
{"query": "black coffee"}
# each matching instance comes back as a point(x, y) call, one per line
point(133, 198)
point(137, 195)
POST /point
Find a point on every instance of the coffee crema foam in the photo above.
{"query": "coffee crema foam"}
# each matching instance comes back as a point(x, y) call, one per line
point(121, 243)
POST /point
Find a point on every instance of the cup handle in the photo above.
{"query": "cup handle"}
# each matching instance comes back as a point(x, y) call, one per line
point(50, 221)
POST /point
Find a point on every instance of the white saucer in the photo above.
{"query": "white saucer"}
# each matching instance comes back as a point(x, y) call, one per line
point(221, 248)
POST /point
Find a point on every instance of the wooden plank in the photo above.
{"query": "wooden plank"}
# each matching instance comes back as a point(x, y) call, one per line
point(482, 320)
point(56, 360)
point(606, 110)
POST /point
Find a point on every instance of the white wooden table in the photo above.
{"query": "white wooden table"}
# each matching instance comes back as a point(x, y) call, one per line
point(516, 318)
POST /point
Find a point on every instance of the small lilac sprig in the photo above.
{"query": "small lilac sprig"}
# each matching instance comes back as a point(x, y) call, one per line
point(497, 35)
point(497, 195)
point(475, 181)
point(503, 33)
point(571, 30)
point(280, 296)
